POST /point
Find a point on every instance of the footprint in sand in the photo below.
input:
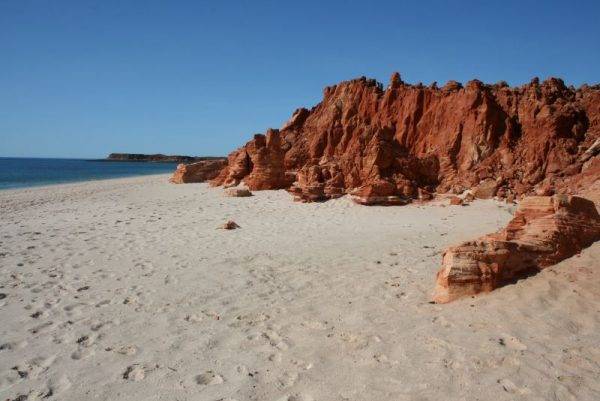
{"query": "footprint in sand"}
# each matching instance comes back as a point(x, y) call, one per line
point(512, 388)
point(103, 303)
point(132, 300)
point(314, 325)
point(41, 328)
point(193, 318)
point(251, 319)
point(212, 314)
point(287, 380)
point(134, 373)
point(355, 341)
point(97, 325)
point(82, 353)
point(442, 321)
point(128, 350)
point(242, 370)
point(58, 385)
point(7, 346)
point(275, 340)
point(74, 309)
point(511, 342)
point(381, 358)
point(209, 378)
point(34, 367)
point(302, 364)
point(297, 397)
point(39, 314)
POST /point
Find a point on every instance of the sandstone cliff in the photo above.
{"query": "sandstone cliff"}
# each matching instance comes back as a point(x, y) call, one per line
point(388, 146)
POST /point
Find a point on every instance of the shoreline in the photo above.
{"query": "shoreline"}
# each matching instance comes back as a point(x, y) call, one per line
point(19, 173)
point(72, 183)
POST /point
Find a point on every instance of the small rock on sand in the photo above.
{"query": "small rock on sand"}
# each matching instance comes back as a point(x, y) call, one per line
point(230, 225)
point(456, 201)
point(238, 192)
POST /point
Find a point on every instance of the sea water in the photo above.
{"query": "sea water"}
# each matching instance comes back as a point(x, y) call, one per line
point(26, 172)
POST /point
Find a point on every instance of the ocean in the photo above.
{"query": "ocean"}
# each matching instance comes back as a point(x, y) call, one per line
point(29, 172)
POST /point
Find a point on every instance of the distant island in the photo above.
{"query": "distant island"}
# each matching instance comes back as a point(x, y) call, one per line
point(156, 158)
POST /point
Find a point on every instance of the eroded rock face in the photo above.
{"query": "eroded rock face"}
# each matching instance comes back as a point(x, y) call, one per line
point(388, 146)
point(260, 163)
point(198, 172)
point(544, 231)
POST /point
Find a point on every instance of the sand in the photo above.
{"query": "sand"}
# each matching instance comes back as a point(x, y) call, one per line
point(126, 290)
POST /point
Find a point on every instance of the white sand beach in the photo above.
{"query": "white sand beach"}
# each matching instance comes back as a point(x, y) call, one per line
point(125, 289)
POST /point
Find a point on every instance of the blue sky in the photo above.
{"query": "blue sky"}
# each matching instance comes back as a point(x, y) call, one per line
point(83, 78)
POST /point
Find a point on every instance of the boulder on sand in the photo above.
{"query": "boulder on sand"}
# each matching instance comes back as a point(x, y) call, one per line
point(544, 231)
point(237, 192)
point(456, 201)
point(230, 225)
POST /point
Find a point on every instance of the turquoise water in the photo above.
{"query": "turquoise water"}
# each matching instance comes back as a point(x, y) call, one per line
point(24, 172)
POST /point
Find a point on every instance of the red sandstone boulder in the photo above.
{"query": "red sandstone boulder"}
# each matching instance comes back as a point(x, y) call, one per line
point(544, 231)
point(385, 145)
point(198, 172)
point(486, 189)
point(456, 201)
point(230, 225)
point(238, 192)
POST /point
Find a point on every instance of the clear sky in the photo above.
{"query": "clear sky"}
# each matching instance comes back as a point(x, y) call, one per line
point(86, 78)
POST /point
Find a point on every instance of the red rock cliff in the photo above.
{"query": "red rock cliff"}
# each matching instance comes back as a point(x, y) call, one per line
point(388, 146)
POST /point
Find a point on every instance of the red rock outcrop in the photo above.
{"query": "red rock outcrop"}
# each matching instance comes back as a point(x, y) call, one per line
point(388, 146)
point(544, 231)
point(198, 172)
point(260, 164)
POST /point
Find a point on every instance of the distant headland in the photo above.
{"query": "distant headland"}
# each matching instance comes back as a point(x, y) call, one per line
point(156, 158)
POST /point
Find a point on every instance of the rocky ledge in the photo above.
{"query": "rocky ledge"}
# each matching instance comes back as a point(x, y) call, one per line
point(544, 231)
